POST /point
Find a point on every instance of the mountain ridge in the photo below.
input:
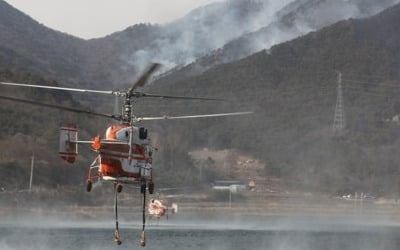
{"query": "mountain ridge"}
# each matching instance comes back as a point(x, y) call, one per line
point(213, 34)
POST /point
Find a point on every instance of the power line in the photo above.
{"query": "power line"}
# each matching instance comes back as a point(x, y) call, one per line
point(367, 76)
point(357, 90)
point(372, 83)
point(376, 90)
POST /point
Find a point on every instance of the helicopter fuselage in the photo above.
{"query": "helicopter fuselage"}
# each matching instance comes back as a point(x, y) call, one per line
point(125, 154)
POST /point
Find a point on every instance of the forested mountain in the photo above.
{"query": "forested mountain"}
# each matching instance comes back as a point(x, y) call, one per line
point(27, 44)
point(292, 89)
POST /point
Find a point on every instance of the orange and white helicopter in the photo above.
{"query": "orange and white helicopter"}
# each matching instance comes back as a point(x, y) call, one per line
point(125, 153)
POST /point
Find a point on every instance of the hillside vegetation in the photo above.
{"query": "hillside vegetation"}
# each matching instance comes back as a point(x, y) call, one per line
point(292, 89)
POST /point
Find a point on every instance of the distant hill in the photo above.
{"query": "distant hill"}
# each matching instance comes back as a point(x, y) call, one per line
point(27, 44)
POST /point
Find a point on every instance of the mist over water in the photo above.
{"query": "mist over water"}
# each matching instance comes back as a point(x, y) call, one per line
point(93, 238)
point(258, 232)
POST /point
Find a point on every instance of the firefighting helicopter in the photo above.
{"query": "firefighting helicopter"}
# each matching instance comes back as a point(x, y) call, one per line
point(125, 153)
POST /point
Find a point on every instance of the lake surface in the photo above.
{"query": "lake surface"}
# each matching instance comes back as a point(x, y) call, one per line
point(218, 236)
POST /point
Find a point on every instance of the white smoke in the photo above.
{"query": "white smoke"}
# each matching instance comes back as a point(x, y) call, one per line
point(262, 24)
point(204, 30)
point(308, 16)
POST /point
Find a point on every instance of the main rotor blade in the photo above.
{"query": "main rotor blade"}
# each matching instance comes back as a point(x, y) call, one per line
point(191, 116)
point(58, 88)
point(47, 105)
point(144, 77)
point(180, 97)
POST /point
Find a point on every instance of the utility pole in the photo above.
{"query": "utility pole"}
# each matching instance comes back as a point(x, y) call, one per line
point(339, 119)
point(31, 177)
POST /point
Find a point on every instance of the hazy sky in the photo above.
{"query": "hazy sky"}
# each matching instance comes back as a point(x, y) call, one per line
point(96, 18)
